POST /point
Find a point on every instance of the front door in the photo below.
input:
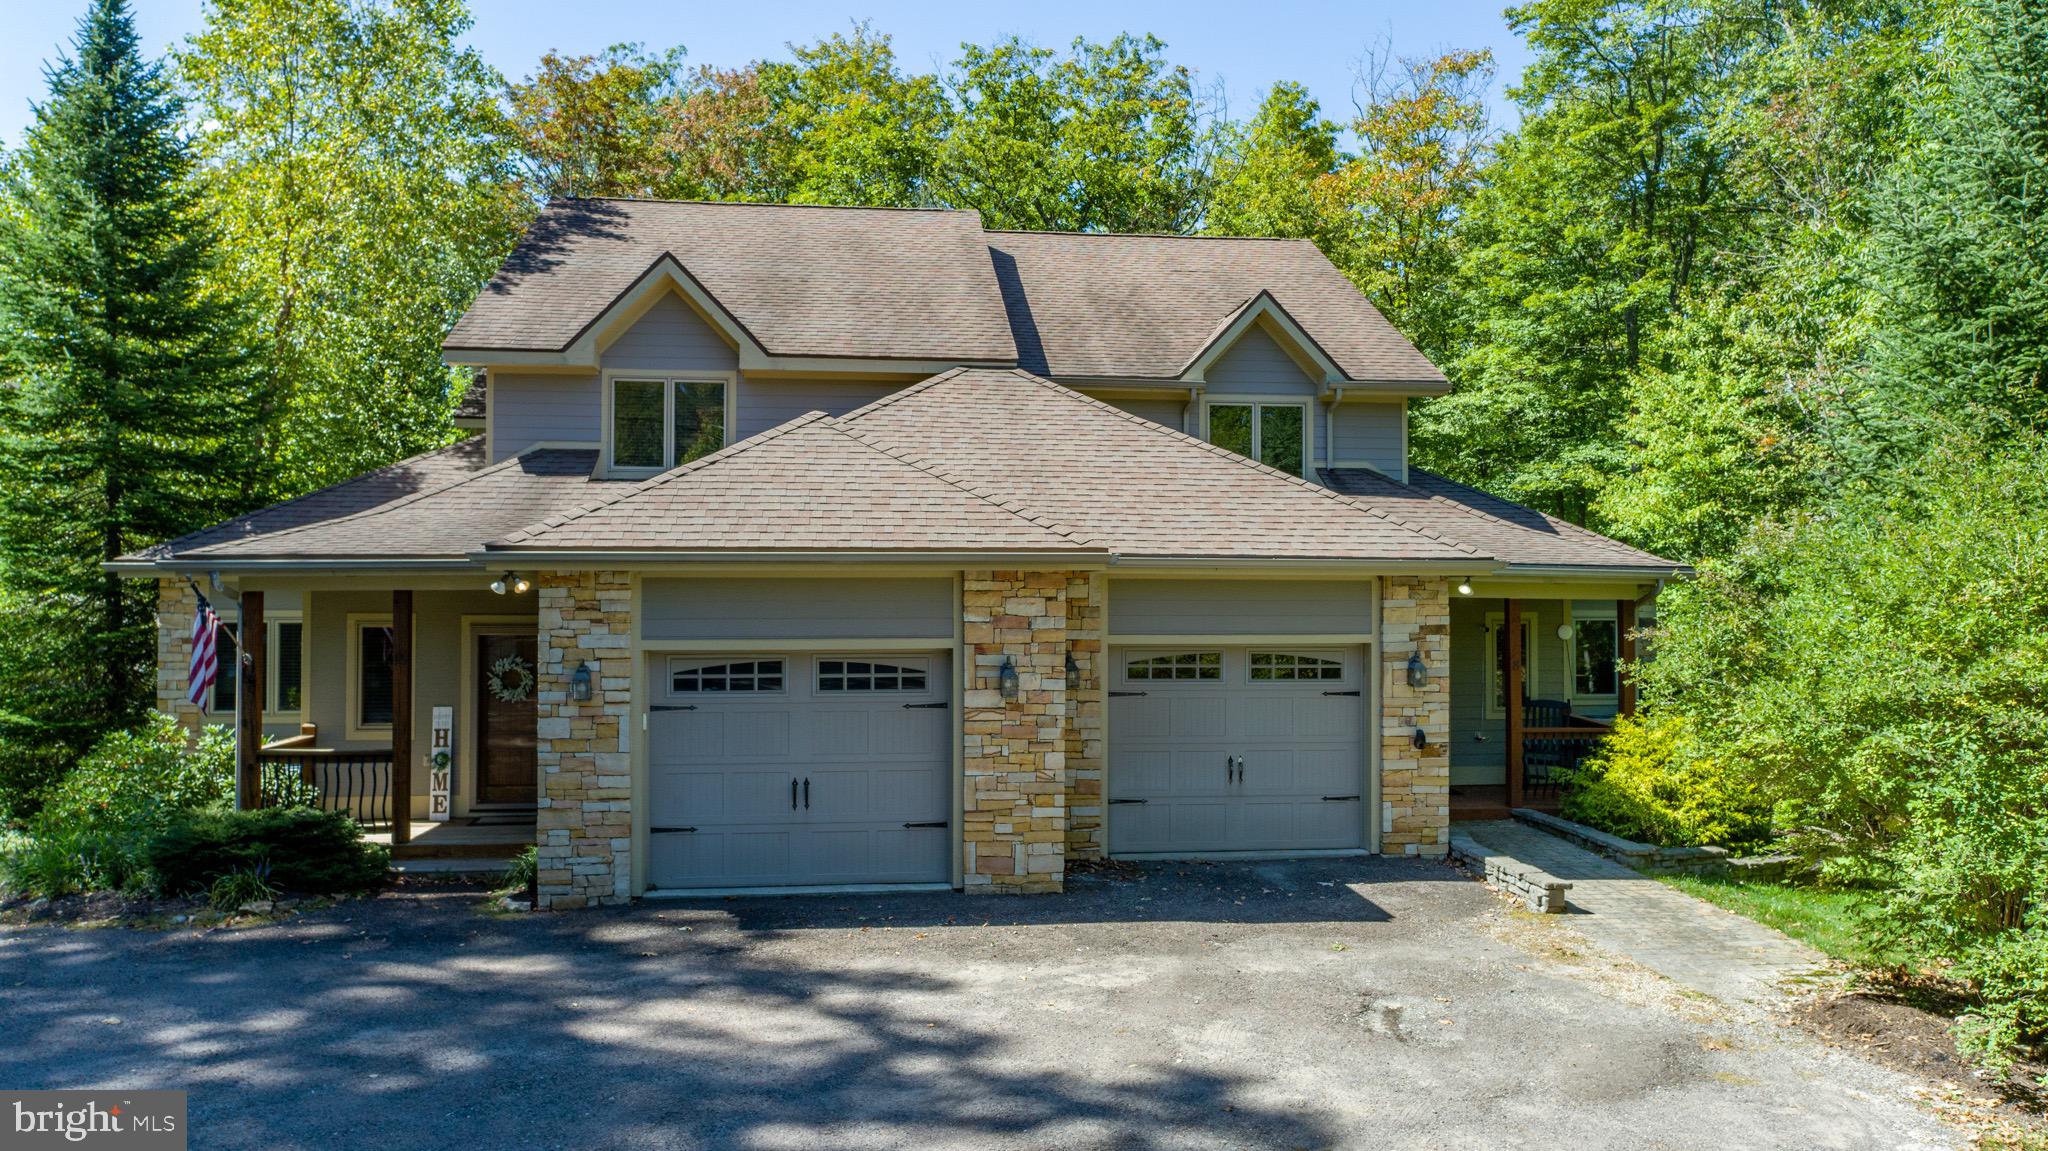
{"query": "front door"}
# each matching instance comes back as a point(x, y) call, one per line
point(506, 767)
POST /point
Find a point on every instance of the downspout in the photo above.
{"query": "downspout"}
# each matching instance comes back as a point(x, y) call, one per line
point(1330, 426)
point(1187, 411)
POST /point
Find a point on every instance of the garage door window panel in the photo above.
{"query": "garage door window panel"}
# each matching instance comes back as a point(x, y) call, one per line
point(1188, 665)
point(687, 677)
point(844, 676)
point(1294, 667)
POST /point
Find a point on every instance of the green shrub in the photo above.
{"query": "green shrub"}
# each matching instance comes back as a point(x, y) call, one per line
point(305, 850)
point(249, 885)
point(1644, 784)
point(524, 871)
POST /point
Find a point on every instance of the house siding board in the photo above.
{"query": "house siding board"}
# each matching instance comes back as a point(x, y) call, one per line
point(822, 609)
point(1240, 607)
point(670, 337)
point(763, 404)
point(1367, 433)
point(535, 409)
point(1256, 365)
point(1166, 412)
point(1476, 761)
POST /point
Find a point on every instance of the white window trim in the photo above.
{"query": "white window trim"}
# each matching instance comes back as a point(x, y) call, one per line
point(668, 380)
point(1495, 621)
point(271, 623)
point(1571, 653)
point(1128, 656)
point(674, 663)
point(917, 663)
point(1255, 402)
point(352, 688)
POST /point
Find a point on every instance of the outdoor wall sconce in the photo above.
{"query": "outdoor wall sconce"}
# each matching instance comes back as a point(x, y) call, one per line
point(1564, 631)
point(1006, 679)
point(1418, 672)
point(1073, 673)
point(1464, 588)
point(1421, 739)
point(579, 683)
point(512, 582)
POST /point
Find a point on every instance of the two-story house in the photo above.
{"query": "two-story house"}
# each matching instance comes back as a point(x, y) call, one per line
point(810, 546)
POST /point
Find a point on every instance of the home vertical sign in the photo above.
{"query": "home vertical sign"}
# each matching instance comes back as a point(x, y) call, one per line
point(441, 765)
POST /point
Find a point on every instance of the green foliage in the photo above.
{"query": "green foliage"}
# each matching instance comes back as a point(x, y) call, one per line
point(1647, 784)
point(248, 885)
point(523, 873)
point(1834, 920)
point(2011, 975)
point(362, 173)
point(304, 850)
point(593, 125)
point(129, 412)
point(1268, 171)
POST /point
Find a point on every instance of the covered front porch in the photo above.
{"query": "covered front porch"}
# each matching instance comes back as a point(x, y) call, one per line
point(1564, 657)
point(412, 707)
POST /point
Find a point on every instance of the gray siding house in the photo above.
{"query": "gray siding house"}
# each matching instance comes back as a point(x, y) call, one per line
point(807, 547)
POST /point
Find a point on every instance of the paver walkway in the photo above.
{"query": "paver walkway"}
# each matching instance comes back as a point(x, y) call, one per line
point(1685, 939)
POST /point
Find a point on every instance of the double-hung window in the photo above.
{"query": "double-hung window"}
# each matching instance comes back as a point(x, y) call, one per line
point(656, 422)
point(1596, 652)
point(283, 658)
point(1273, 433)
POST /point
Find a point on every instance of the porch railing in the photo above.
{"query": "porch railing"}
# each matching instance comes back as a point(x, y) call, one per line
point(1549, 753)
point(357, 782)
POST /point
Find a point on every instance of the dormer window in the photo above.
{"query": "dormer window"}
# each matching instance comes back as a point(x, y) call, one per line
point(654, 423)
point(1273, 433)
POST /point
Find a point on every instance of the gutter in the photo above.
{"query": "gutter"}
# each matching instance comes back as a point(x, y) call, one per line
point(1658, 572)
point(542, 558)
point(192, 564)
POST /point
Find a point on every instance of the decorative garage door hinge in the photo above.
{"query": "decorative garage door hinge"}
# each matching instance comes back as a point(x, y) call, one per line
point(929, 823)
point(669, 830)
point(1117, 801)
point(1124, 694)
point(941, 703)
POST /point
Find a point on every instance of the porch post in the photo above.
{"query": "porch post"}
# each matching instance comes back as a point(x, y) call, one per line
point(1625, 651)
point(1513, 622)
point(249, 636)
point(401, 717)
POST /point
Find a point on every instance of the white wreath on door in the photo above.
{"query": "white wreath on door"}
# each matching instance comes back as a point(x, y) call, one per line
point(510, 680)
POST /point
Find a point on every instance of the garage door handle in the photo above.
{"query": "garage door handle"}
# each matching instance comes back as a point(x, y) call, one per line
point(1339, 798)
point(1340, 693)
point(792, 795)
point(669, 830)
point(673, 707)
point(1114, 802)
point(909, 706)
point(807, 793)
point(928, 823)
point(1124, 694)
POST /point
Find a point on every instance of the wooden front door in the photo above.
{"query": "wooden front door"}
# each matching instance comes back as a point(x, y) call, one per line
point(506, 767)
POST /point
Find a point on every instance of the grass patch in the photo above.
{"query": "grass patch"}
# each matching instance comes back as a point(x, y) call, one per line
point(1831, 921)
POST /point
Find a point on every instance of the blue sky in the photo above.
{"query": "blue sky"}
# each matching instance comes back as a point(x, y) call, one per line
point(1317, 44)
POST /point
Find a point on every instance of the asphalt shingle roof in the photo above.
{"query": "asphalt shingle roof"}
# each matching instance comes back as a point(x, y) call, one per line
point(804, 281)
point(1507, 530)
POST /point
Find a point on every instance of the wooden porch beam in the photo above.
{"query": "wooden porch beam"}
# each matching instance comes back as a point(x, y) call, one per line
point(250, 633)
point(1625, 652)
point(1513, 622)
point(401, 717)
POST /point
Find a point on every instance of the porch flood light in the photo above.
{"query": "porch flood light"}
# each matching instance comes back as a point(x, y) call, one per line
point(512, 582)
point(1464, 588)
point(1006, 679)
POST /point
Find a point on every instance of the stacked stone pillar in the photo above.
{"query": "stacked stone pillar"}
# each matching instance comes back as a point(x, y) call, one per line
point(1086, 715)
point(1415, 782)
point(585, 823)
point(1014, 754)
point(176, 604)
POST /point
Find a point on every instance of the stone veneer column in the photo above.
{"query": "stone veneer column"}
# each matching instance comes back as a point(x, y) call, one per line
point(585, 822)
point(1014, 816)
point(176, 604)
point(1415, 783)
point(1084, 742)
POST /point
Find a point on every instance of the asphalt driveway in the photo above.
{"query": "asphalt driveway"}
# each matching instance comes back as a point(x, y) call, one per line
point(1330, 1003)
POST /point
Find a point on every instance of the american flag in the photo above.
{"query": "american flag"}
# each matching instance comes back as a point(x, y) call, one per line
point(205, 658)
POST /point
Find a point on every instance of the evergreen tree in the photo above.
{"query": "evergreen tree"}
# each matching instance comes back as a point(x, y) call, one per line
point(1961, 248)
point(128, 409)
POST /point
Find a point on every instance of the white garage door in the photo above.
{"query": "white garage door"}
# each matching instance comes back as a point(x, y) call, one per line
point(1237, 749)
point(799, 770)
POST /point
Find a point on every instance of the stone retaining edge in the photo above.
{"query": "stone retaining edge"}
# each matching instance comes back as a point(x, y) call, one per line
point(1537, 889)
point(1649, 857)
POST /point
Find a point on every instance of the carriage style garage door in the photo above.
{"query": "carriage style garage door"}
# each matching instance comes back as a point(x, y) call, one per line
point(798, 770)
point(1237, 749)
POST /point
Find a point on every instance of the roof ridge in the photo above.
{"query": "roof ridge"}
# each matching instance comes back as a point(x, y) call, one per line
point(1146, 235)
point(1608, 542)
point(1255, 465)
point(304, 496)
point(424, 493)
point(630, 489)
point(773, 204)
point(1012, 506)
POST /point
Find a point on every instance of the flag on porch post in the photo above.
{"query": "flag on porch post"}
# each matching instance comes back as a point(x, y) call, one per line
point(205, 656)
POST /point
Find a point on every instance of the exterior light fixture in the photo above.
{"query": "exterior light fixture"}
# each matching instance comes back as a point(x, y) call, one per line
point(502, 583)
point(1006, 679)
point(1564, 631)
point(1073, 673)
point(579, 683)
point(1421, 739)
point(512, 582)
point(1418, 671)
point(521, 585)
point(1464, 587)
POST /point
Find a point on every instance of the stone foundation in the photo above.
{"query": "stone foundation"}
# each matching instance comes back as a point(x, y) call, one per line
point(1415, 783)
point(1014, 755)
point(585, 822)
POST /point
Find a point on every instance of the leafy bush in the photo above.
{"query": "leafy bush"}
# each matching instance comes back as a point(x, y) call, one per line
point(249, 885)
point(525, 870)
point(305, 850)
point(1645, 784)
point(1882, 672)
point(95, 826)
